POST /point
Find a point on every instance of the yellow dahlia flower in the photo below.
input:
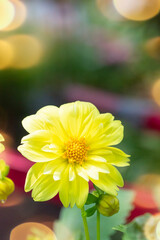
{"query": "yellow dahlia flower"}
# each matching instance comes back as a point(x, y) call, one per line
point(72, 145)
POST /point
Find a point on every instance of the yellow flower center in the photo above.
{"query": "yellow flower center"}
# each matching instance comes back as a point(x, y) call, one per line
point(76, 151)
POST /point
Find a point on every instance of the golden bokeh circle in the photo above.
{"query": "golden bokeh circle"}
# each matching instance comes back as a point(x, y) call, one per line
point(25, 230)
point(6, 54)
point(156, 92)
point(137, 10)
point(108, 10)
point(7, 13)
point(152, 47)
point(27, 49)
point(20, 15)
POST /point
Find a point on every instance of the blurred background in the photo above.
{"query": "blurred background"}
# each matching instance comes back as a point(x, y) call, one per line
point(53, 52)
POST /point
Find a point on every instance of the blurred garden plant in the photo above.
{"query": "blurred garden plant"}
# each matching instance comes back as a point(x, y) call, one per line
point(6, 184)
point(72, 145)
point(145, 227)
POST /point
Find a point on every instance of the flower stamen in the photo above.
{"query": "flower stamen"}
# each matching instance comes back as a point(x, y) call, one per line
point(76, 150)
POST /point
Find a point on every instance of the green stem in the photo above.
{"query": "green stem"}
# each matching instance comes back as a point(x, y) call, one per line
point(98, 225)
point(85, 223)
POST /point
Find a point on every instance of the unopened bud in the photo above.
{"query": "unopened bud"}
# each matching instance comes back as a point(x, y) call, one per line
point(108, 205)
point(4, 169)
point(6, 188)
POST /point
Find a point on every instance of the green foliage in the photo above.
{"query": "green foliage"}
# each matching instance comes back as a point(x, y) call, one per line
point(134, 230)
point(91, 199)
point(70, 220)
point(91, 211)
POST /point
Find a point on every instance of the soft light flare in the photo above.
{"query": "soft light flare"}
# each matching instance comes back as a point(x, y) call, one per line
point(138, 10)
point(152, 47)
point(7, 13)
point(108, 10)
point(156, 92)
point(27, 51)
point(25, 230)
point(6, 54)
point(20, 15)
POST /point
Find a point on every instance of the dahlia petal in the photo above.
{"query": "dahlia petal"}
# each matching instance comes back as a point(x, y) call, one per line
point(106, 133)
point(105, 118)
point(82, 192)
point(64, 188)
point(82, 172)
point(43, 137)
point(33, 175)
point(117, 157)
point(93, 169)
point(38, 136)
point(45, 188)
point(101, 122)
point(34, 144)
point(73, 115)
point(59, 171)
point(96, 166)
point(106, 184)
point(115, 136)
point(32, 123)
point(35, 154)
point(51, 166)
point(47, 118)
point(50, 114)
point(93, 173)
point(72, 192)
point(98, 143)
point(96, 158)
point(115, 175)
point(71, 174)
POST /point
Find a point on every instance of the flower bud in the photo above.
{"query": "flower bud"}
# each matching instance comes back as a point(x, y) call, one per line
point(108, 205)
point(6, 188)
point(4, 169)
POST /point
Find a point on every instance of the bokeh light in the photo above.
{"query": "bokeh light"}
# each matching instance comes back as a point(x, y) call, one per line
point(6, 54)
point(152, 47)
point(23, 231)
point(150, 183)
point(27, 51)
point(107, 8)
point(137, 10)
point(20, 15)
point(156, 92)
point(7, 13)
point(158, 231)
point(150, 227)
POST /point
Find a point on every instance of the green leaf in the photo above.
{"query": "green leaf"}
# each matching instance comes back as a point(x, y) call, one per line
point(91, 199)
point(99, 191)
point(120, 228)
point(134, 230)
point(91, 211)
point(71, 220)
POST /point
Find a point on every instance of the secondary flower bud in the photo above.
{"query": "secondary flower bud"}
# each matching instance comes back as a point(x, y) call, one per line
point(108, 205)
point(6, 188)
point(4, 169)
